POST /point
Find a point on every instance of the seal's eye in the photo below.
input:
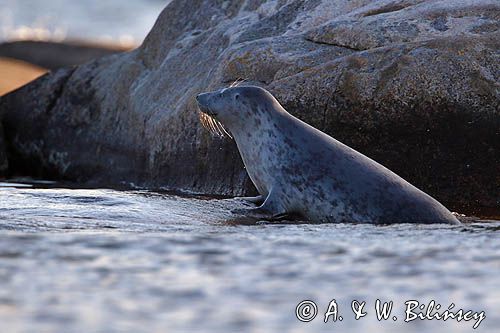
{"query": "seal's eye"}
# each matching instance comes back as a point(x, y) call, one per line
point(236, 96)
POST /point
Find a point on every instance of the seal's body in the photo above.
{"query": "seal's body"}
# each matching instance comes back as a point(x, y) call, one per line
point(298, 169)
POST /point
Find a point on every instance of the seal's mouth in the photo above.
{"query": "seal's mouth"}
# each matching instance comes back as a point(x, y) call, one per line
point(206, 110)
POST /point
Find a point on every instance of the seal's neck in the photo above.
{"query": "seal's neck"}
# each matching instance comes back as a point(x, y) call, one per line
point(258, 141)
point(259, 131)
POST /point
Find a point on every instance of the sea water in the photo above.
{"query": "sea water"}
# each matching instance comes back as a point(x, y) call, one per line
point(100, 260)
point(117, 21)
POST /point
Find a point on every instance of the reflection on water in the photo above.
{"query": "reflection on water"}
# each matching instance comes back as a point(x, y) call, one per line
point(111, 20)
point(115, 261)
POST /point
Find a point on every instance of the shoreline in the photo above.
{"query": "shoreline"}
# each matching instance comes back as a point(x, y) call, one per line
point(22, 61)
point(16, 73)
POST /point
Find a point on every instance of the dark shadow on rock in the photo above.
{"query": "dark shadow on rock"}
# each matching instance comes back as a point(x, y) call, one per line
point(3, 153)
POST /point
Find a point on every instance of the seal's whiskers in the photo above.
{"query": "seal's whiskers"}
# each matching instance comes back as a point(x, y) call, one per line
point(214, 126)
point(237, 82)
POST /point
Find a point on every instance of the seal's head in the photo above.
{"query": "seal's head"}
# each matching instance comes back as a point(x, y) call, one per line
point(234, 108)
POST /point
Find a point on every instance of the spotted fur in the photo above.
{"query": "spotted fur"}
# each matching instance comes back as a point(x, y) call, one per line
point(301, 170)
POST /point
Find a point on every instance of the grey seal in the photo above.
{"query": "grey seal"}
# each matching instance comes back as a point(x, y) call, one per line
point(297, 169)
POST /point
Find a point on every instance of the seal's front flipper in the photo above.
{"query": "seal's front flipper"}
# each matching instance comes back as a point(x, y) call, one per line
point(272, 204)
point(271, 209)
point(258, 200)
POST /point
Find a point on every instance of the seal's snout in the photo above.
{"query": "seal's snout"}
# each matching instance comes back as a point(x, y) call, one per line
point(199, 101)
point(202, 100)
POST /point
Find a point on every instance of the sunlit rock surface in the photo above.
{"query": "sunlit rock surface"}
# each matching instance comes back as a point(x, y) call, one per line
point(412, 84)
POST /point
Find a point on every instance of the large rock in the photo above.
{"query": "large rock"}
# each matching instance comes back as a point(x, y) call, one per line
point(3, 154)
point(412, 84)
